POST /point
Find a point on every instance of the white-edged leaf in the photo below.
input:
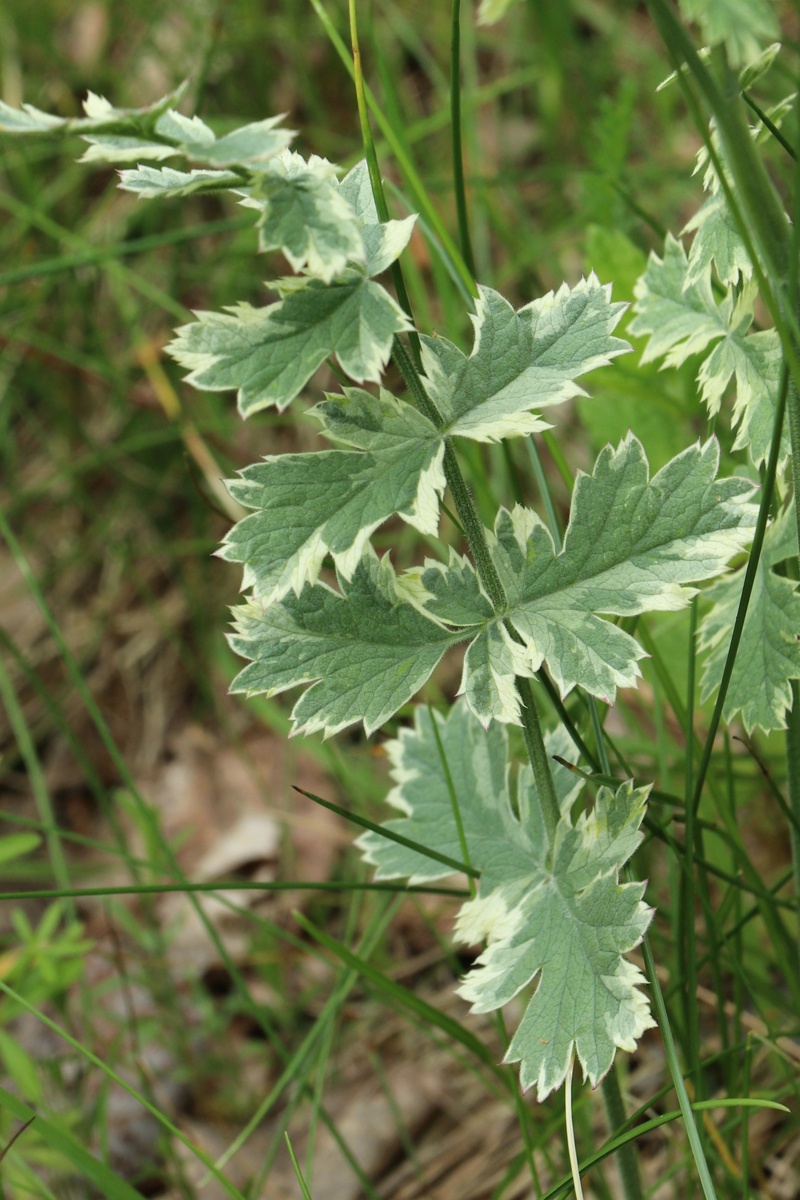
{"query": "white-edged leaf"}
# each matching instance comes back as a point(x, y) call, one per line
point(768, 657)
point(632, 545)
point(99, 115)
point(150, 182)
point(310, 505)
point(383, 241)
point(471, 759)
point(305, 215)
point(521, 360)
point(567, 925)
point(682, 318)
point(268, 354)
point(365, 651)
point(153, 133)
point(716, 241)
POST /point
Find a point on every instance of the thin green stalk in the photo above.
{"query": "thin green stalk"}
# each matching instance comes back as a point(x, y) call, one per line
point(747, 587)
point(793, 770)
point(455, 138)
point(686, 893)
point(684, 1103)
point(406, 165)
point(615, 1112)
point(612, 1093)
point(36, 777)
point(465, 507)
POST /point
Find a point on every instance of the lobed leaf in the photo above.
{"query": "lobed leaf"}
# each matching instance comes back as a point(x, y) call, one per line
point(768, 657)
point(310, 505)
point(565, 924)
point(269, 354)
point(681, 318)
point(632, 545)
point(365, 651)
point(520, 361)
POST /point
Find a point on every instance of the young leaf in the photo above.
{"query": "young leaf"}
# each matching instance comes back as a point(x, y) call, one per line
point(521, 360)
point(309, 505)
point(100, 116)
point(683, 318)
point(367, 650)
point(716, 241)
point(567, 923)
point(269, 354)
point(156, 132)
point(769, 652)
point(632, 545)
point(305, 214)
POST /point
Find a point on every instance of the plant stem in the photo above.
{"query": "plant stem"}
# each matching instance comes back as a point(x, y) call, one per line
point(474, 531)
point(747, 586)
point(615, 1112)
point(455, 138)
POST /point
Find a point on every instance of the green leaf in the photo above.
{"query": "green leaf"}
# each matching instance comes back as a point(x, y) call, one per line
point(156, 132)
point(769, 652)
point(743, 25)
point(368, 651)
point(310, 505)
point(716, 241)
point(100, 116)
point(383, 240)
point(683, 318)
point(150, 182)
point(305, 215)
point(632, 545)
point(566, 924)
point(269, 354)
point(521, 360)
point(476, 761)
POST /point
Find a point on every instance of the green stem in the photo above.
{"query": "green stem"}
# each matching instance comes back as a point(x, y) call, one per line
point(375, 173)
point(617, 1117)
point(455, 137)
point(747, 586)
point(793, 770)
point(660, 1010)
point(474, 531)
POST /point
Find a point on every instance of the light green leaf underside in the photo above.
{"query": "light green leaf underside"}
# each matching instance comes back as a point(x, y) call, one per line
point(743, 25)
point(269, 354)
point(683, 319)
point(567, 927)
point(310, 505)
point(768, 657)
point(632, 545)
point(521, 360)
point(365, 652)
